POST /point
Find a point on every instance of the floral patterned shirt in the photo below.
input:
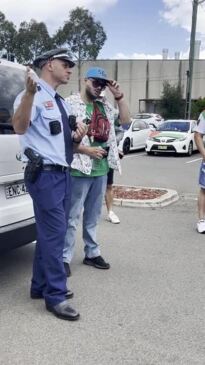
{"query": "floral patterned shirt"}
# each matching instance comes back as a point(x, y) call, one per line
point(83, 162)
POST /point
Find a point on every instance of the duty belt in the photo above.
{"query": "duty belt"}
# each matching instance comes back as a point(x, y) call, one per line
point(59, 168)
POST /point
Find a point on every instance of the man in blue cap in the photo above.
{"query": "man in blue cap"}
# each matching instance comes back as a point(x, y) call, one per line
point(89, 169)
point(41, 118)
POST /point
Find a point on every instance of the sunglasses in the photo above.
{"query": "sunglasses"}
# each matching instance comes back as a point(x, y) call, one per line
point(99, 83)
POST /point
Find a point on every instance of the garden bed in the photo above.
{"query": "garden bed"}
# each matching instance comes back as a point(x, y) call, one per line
point(136, 193)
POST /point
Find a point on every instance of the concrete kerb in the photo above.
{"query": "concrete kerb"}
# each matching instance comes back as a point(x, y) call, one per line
point(169, 197)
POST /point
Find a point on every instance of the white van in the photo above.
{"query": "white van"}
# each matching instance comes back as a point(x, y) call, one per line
point(17, 224)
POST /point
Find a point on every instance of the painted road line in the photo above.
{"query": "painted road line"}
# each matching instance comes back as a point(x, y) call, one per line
point(197, 159)
point(137, 155)
point(189, 196)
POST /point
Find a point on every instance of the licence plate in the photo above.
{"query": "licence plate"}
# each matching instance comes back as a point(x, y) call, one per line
point(162, 147)
point(14, 190)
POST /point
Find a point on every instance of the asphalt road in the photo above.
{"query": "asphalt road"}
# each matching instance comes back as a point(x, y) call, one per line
point(148, 309)
point(174, 172)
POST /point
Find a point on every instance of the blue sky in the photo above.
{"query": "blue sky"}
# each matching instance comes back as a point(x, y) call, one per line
point(135, 29)
point(136, 26)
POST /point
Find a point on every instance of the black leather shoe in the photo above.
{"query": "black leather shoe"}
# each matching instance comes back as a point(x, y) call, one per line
point(63, 311)
point(69, 294)
point(36, 295)
point(97, 262)
point(67, 269)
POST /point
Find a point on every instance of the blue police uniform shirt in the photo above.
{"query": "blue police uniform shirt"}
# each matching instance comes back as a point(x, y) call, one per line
point(38, 135)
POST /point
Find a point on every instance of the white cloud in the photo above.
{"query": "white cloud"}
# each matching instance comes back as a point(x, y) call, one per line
point(136, 56)
point(144, 56)
point(52, 12)
point(179, 13)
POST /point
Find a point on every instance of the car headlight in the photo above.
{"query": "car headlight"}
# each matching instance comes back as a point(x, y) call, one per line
point(182, 139)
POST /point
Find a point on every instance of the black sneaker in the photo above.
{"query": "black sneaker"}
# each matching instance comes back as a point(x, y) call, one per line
point(97, 262)
point(67, 269)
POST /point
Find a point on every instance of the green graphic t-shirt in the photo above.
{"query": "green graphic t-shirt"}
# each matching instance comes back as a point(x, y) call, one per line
point(99, 167)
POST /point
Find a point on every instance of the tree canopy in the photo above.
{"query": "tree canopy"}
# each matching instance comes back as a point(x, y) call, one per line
point(31, 40)
point(83, 36)
point(197, 107)
point(171, 103)
point(7, 35)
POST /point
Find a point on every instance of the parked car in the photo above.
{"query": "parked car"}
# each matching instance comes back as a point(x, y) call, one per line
point(135, 136)
point(151, 118)
point(172, 136)
point(17, 224)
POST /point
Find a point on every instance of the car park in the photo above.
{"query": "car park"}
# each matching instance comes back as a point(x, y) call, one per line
point(152, 119)
point(172, 136)
point(135, 136)
point(17, 224)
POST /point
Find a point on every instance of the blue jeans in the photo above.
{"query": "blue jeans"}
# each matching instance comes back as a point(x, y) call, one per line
point(202, 175)
point(87, 193)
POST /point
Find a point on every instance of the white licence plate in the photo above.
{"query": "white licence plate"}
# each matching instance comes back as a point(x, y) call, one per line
point(162, 147)
point(14, 190)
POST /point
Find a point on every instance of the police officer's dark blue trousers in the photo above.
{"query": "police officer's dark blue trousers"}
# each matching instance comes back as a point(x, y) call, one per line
point(51, 201)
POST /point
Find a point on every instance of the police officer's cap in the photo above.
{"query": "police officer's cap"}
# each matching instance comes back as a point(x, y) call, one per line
point(59, 53)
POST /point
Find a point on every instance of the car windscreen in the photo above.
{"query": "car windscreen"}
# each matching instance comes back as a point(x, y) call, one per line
point(174, 126)
point(12, 81)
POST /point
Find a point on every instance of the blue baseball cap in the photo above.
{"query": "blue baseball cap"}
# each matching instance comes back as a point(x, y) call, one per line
point(96, 73)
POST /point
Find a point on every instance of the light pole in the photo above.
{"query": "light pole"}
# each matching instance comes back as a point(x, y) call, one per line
point(191, 59)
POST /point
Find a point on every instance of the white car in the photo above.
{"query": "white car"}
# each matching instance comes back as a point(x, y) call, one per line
point(135, 136)
point(172, 136)
point(17, 224)
point(151, 118)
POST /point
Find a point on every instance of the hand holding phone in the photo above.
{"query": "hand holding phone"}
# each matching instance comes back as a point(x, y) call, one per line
point(31, 81)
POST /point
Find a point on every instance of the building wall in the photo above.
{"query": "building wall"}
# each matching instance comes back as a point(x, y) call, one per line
point(143, 79)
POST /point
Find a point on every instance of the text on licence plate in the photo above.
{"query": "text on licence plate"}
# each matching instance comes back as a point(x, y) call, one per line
point(162, 147)
point(14, 190)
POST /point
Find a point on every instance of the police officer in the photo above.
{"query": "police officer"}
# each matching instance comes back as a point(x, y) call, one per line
point(41, 118)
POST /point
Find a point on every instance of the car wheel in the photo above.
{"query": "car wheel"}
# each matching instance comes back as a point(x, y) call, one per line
point(126, 146)
point(190, 149)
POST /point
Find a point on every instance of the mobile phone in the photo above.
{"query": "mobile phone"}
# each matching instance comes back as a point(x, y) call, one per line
point(107, 150)
point(33, 75)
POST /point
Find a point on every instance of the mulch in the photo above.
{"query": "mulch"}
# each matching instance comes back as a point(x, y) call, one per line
point(132, 192)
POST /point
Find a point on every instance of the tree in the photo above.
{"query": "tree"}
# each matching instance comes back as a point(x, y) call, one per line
point(171, 104)
point(32, 39)
point(83, 36)
point(197, 107)
point(7, 35)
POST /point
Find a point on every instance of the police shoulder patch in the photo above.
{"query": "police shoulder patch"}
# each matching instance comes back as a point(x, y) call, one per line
point(48, 104)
